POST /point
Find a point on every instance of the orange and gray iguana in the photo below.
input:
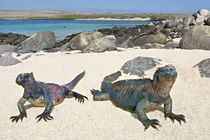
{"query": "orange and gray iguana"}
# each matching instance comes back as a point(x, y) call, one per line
point(141, 95)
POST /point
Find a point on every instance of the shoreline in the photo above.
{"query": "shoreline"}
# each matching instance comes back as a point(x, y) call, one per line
point(55, 14)
point(120, 19)
point(117, 19)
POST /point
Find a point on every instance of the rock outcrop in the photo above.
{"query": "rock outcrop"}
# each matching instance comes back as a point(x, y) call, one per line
point(200, 17)
point(173, 43)
point(103, 44)
point(11, 39)
point(198, 37)
point(40, 41)
point(204, 68)
point(149, 38)
point(81, 41)
point(91, 42)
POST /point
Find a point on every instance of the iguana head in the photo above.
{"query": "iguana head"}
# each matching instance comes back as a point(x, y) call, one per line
point(25, 78)
point(164, 79)
point(166, 72)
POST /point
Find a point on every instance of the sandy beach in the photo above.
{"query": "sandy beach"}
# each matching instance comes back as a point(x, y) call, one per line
point(102, 120)
point(126, 19)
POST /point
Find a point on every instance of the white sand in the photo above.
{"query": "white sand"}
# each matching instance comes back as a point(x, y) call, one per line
point(126, 19)
point(102, 120)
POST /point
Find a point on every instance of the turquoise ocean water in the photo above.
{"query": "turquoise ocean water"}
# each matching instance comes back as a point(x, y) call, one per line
point(62, 27)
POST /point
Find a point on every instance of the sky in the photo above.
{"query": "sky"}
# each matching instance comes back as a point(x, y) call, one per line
point(106, 6)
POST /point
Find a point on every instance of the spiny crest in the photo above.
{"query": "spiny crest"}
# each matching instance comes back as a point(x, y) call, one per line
point(166, 71)
point(166, 68)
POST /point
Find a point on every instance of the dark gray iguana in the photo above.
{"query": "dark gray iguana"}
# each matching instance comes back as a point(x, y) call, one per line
point(141, 95)
point(44, 95)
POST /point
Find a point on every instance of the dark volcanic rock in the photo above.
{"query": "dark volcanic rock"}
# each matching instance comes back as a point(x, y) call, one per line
point(125, 36)
point(204, 68)
point(11, 39)
point(138, 65)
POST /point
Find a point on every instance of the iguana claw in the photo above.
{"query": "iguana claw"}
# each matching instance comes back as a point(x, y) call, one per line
point(20, 116)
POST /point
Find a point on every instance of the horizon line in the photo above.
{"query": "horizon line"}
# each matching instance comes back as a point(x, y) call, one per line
point(102, 11)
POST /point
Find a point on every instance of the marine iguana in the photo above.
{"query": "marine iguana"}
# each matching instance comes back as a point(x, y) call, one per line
point(46, 95)
point(141, 95)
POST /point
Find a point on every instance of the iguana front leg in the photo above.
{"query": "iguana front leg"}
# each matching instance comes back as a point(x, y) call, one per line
point(22, 111)
point(140, 110)
point(46, 114)
point(168, 112)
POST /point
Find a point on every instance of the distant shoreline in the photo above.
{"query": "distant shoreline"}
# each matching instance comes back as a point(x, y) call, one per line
point(54, 14)
point(124, 19)
point(117, 19)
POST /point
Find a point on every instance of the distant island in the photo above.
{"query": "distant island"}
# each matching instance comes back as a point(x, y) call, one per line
point(54, 14)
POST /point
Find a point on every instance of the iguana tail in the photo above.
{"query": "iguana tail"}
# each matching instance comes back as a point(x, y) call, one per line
point(107, 82)
point(74, 82)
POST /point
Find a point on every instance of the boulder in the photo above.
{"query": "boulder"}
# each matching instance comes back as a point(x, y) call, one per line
point(8, 60)
point(59, 44)
point(124, 43)
point(81, 41)
point(198, 37)
point(107, 43)
point(167, 31)
point(39, 41)
point(200, 17)
point(173, 43)
point(139, 65)
point(116, 31)
point(204, 68)
point(149, 38)
point(203, 12)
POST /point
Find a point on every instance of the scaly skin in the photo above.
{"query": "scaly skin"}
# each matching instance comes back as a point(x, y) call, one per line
point(141, 95)
point(46, 95)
